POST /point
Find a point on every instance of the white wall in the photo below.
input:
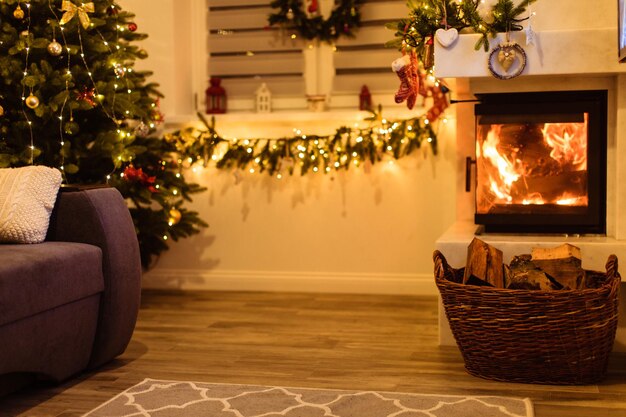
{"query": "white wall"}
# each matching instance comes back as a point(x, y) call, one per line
point(349, 232)
point(177, 51)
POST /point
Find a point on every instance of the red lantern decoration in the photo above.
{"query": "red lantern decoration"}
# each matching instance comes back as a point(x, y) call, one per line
point(365, 99)
point(215, 97)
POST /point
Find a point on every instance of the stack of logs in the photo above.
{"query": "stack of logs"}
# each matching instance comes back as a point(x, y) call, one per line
point(547, 269)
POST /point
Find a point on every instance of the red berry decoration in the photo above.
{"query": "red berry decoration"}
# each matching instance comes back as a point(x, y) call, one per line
point(132, 26)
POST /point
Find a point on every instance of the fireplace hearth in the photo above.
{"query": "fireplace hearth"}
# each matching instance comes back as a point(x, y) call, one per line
point(541, 162)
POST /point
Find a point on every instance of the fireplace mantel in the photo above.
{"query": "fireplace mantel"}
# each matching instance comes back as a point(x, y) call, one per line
point(556, 52)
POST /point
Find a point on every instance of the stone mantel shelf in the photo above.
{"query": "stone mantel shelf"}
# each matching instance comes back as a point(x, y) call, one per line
point(560, 52)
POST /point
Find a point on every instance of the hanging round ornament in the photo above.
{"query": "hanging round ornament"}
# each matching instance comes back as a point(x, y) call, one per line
point(18, 13)
point(132, 26)
point(1, 111)
point(55, 48)
point(313, 7)
point(119, 70)
point(174, 216)
point(142, 130)
point(507, 60)
point(32, 101)
point(305, 18)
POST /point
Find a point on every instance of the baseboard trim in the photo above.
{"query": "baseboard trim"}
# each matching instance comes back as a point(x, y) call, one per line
point(281, 281)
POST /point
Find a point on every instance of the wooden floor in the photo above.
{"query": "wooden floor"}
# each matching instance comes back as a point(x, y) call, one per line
point(358, 342)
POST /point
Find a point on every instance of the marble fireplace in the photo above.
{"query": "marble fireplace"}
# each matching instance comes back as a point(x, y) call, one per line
point(552, 71)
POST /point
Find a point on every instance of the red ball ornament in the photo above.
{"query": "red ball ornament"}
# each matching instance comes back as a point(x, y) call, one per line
point(132, 26)
point(313, 7)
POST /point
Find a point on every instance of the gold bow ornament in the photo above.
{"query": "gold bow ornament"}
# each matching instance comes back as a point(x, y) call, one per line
point(72, 10)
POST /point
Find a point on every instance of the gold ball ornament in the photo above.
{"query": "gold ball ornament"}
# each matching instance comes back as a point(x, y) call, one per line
point(1, 111)
point(18, 13)
point(32, 101)
point(175, 216)
point(55, 48)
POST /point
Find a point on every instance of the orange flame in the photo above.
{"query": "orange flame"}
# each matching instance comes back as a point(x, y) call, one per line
point(568, 142)
point(500, 184)
point(507, 176)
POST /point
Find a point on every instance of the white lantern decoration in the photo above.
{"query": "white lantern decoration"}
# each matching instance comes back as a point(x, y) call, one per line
point(263, 99)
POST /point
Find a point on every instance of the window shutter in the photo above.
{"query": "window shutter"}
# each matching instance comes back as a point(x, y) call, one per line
point(364, 60)
point(245, 52)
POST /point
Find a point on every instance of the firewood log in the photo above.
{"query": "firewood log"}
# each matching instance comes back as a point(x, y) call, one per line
point(484, 265)
point(563, 263)
point(523, 274)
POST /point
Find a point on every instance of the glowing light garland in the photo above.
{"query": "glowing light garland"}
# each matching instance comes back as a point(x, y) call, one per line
point(347, 147)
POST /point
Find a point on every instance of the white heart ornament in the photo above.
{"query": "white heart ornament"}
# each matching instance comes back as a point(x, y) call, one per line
point(446, 37)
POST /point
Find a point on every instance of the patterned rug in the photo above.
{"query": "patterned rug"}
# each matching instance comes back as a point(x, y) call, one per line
point(155, 398)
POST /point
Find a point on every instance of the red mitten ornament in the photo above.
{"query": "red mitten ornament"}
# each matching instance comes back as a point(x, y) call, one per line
point(313, 7)
point(406, 74)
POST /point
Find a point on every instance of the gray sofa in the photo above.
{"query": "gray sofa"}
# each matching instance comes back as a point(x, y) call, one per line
point(71, 303)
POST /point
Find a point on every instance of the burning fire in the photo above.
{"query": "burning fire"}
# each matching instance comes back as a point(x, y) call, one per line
point(532, 164)
point(568, 142)
point(572, 200)
point(507, 172)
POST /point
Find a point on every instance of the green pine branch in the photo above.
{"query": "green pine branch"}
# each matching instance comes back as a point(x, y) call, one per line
point(94, 121)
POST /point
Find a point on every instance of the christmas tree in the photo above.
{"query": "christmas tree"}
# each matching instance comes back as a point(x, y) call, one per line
point(71, 98)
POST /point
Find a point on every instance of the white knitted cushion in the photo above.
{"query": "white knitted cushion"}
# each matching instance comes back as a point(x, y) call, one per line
point(27, 197)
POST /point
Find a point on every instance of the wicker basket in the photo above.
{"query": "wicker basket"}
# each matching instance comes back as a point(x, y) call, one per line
point(547, 337)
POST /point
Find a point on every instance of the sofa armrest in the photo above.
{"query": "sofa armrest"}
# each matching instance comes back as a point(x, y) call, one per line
point(100, 217)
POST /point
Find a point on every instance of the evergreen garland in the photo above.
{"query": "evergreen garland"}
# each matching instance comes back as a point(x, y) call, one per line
point(71, 98)
point(344, 18)
point(347, 147)
point(426, 16)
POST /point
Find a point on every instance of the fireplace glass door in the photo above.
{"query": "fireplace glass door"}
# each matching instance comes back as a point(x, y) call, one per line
point(541, 162)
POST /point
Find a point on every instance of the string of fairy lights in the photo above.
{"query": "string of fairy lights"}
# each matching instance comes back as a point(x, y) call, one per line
point(119, 69)
point(349, 146)
point(31, 99)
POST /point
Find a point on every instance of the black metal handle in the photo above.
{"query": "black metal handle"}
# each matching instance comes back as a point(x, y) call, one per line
point(468, 173)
